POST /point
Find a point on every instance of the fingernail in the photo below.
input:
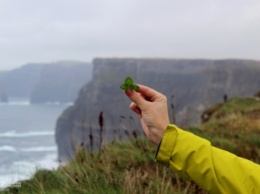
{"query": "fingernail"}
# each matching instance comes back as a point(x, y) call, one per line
point(129, 92)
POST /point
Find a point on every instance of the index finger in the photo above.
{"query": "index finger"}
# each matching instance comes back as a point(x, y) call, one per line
point(148, 93)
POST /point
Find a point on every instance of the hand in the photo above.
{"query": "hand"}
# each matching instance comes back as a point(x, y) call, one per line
point(151, 106)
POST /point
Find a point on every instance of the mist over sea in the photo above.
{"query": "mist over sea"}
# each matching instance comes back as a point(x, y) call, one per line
point(27, 138)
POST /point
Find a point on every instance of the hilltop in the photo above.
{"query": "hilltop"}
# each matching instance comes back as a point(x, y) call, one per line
point(129, 167)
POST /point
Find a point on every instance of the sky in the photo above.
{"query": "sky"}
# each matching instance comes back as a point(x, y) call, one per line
point(52, 30)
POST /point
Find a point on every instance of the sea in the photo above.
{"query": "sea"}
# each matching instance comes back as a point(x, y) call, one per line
point(27, 139)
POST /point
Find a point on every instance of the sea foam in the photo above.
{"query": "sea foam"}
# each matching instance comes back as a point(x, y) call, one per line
point(40, 149)
point(26, 134)
point(7, 148)
point(25, 169)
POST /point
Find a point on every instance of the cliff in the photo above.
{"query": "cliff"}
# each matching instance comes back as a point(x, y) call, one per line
point(60, 82)
point(195, 84)
point(46, 82)
point(18, 83)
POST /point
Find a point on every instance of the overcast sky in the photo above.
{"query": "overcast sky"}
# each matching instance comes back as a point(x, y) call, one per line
point(52, 30)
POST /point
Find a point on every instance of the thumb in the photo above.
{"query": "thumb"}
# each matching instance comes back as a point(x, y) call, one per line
point(136, 97)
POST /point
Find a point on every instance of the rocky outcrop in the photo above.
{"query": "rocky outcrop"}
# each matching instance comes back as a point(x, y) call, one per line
point(195, 84)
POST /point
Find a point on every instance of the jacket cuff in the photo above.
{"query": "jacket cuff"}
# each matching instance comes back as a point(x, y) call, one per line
point(165, 149)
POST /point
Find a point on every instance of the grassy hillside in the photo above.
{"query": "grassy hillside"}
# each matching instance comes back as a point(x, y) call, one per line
point(129, 167)
point(235, 126)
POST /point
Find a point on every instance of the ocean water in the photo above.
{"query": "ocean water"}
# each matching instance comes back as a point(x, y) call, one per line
point(27, 139)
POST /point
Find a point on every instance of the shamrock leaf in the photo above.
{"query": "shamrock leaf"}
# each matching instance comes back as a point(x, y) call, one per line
point(134, 87)
point(129, 84)
point(129, 81)
point(124, 87)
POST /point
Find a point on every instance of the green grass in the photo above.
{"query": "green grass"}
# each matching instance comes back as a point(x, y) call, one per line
point(125, 167)
point(236, 106)
point(235, 127)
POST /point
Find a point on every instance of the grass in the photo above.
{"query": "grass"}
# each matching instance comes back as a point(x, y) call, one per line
point(121, 167)
point(235, 107)
point(235, 126)
point(129, 167)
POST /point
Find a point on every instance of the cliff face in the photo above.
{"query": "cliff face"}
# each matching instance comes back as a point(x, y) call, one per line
point(55, 82)
point(18, 83)
point(60, 82)
point(195, 84)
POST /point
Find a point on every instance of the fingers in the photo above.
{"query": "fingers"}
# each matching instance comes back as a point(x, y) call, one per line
point(142, 95)
point(135, 108)
point(137, 98)
point(145, 94)
point(148, 93)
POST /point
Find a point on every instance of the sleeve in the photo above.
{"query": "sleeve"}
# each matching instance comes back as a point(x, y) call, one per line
point(215, 170)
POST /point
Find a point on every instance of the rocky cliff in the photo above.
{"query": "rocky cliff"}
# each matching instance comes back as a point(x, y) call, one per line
point(60, 82)
point(18, 83)
point(195, 84)
point(46, 82)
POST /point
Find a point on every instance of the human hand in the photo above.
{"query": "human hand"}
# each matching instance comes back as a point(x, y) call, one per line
point(151, 106)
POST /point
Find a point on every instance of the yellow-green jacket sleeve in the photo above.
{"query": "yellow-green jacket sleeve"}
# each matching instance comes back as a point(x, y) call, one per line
point(215, 170)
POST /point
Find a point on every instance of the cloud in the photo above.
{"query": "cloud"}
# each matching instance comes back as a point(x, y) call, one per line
point(50, 30)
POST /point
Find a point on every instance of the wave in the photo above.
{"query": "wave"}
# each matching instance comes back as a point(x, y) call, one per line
point(58, 103)
point(7, 148)
point(27, 103)
point(27, 134)
point(40, 149)
point(22, 170)
point(16, 103)
point(9, 179)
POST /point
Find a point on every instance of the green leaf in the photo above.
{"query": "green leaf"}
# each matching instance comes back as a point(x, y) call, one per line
point(129, 84)
point(134, 87)
point(124, 87)
point(129, 81)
